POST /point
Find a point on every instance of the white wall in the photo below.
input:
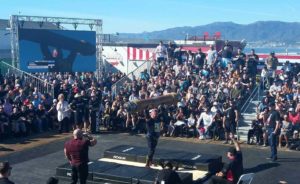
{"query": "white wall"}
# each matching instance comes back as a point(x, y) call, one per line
point(117, 55)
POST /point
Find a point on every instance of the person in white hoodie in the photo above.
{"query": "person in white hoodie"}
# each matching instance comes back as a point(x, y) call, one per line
point(62, 108)
point(207, 118)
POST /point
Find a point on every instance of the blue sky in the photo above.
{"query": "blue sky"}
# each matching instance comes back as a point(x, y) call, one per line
point(150, 15)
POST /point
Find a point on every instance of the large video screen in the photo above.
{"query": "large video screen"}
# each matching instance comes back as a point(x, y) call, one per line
point(43, 50)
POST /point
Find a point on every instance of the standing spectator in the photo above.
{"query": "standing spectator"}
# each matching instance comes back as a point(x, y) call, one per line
point(161, 52)
point(77, 152)
point(239, 60)
point(52, 115)
point(200, 59)
point(85, 101)
point(170, 50)
point(4, 123)
point(5, 171)
point(251, 63)
point(41, 118)
point(273, 129)
point(272, 63)
point(77, 107)
point(230, 120)
point(226, 53)
point(93, 112)
point(212, 56)
point(62, 108)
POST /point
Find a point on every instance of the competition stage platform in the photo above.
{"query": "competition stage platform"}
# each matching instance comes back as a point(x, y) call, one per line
point(126, 164)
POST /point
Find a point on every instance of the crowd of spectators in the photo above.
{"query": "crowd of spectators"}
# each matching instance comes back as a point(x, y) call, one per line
point(213, 87)
point(24, 110)
point(282, 90)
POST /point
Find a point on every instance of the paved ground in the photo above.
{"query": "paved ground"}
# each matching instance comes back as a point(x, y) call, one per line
point(36, 165)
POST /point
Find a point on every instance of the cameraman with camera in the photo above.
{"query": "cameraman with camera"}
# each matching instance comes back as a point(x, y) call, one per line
point(256, 131)
point(168, 174)
point(77, 152)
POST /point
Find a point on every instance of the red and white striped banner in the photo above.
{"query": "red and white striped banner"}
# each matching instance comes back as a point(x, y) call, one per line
point(138, 54)
point(282, 58)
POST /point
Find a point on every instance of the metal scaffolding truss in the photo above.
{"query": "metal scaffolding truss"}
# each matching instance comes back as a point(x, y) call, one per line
point(17, 21)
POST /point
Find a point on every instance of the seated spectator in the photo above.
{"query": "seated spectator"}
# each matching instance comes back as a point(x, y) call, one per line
point(180, 121)
point(191, 124)
point(204, 123)
point(255, 131)
point(18, 124)
point(295, 142)
point(294, 117)
point(285, 128)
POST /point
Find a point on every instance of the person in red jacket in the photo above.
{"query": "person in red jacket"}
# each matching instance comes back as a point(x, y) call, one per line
point(294, 117)
point(231, 171)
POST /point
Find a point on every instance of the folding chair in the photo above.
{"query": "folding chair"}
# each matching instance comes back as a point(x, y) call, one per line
point(246, 178)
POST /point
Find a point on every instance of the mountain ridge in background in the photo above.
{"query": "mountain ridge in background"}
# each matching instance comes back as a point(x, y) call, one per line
point(272, 31)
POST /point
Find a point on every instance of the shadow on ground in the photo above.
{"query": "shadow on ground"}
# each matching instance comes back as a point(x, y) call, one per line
point(261, 167)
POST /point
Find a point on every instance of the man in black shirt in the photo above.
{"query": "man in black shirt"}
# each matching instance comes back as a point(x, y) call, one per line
point(239, 60)
point(273, 125)
point(93, 112)
point(77, 107)
point(4, 122)
point(232, 171)
point(5, 170)
point(168, 175)
point(251, 63)
point(200, 58)
point(230, 121)
point(153, 133)
point(85, 99)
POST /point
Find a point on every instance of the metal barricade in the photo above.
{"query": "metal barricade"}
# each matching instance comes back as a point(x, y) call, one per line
point(42, 85)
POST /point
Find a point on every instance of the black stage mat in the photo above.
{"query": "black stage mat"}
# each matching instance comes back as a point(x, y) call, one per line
point(64, 172)
point(125, 152)
point(106, 172)
point(187, 160)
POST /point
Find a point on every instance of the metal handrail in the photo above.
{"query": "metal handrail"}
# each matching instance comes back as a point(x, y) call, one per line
point(247, 102)
point(40, 83)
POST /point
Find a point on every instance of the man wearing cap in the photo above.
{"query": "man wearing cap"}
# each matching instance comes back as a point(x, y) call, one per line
point(5, 170)
point(272, 63)
point(77, 152)
point(231, 171)
point(153, 133)
point(273, 124)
